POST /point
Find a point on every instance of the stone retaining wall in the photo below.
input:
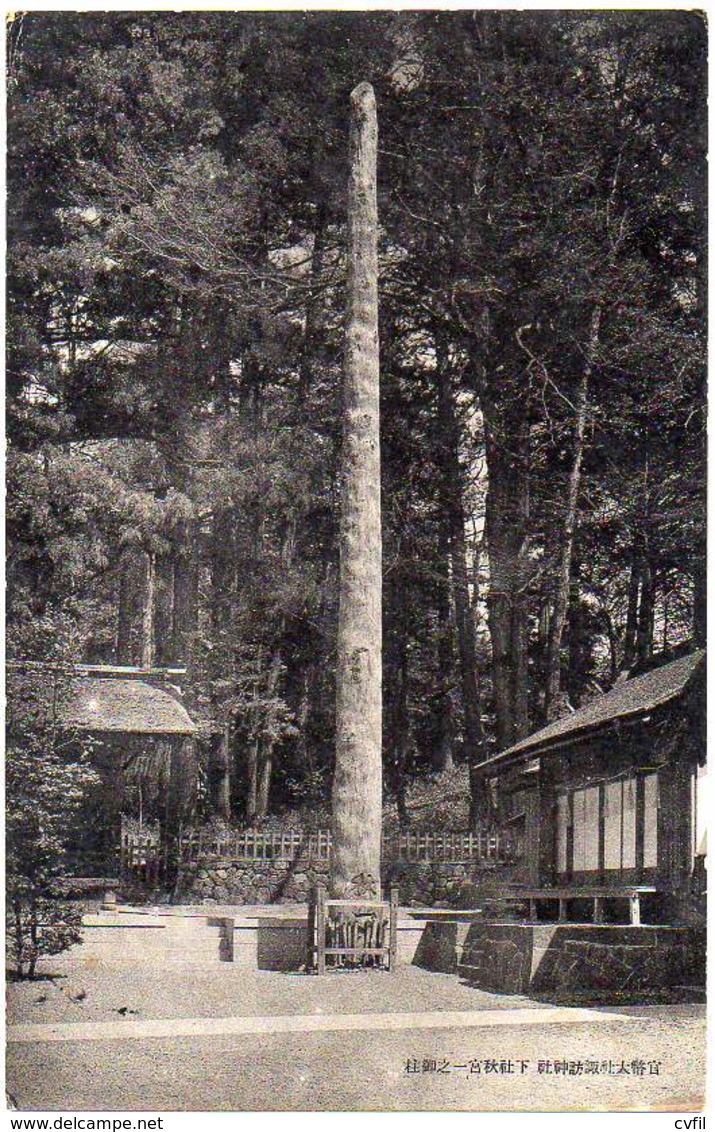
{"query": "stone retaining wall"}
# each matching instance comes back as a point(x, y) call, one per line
point(566, 959)
point(251, 882)
point(443, 884)
point(281, 881)
point(619, 958)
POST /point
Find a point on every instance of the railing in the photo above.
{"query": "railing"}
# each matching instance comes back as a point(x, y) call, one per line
point(251, 845)
point(493, 847)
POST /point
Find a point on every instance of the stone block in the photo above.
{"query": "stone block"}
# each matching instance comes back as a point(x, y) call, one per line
point(555, 958)
point(282, 943)
point(437, 948)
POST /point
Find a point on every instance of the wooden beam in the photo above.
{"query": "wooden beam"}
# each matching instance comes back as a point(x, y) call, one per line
point(94, 669)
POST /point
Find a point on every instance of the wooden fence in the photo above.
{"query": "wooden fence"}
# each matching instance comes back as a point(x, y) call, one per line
point(493, 847)
point(256, 845)
point(143, 857)
point(450, 848)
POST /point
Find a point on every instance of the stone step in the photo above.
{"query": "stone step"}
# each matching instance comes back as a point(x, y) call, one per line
point(119, 940)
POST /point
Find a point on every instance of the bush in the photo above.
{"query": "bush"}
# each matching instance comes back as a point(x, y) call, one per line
point(36, 926)
point(47, 776)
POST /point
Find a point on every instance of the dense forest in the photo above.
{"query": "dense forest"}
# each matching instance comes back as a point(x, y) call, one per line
point(176, 301)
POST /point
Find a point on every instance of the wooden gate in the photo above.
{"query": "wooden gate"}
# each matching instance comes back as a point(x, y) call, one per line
point(349, 934)
point(142, 858)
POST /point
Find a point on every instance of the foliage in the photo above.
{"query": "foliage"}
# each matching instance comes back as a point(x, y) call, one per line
point(175, 280)
point(38, 926)
point(47, 776)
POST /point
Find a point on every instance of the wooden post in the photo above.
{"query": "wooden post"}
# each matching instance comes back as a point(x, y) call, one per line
point(597, 910)
point(310, 951)
point(109, 901)
point(320, 928)
point(394, 902)
point(635, 902)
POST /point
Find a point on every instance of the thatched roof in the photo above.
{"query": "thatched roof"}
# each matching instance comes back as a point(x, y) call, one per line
point(627, 701)
point(129, 706)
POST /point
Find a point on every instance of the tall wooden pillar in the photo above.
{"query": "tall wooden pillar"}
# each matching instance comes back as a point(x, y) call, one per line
point(531, 866)
point(547, 820)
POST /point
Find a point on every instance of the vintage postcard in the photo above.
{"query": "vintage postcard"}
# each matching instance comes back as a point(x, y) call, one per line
point(356, 576)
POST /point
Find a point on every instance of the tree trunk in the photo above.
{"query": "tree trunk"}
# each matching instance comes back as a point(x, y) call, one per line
point(357, 785)
point(223, 572)
point(222, 767)
point(34, 937)
point(222, 559)
point(186, 597)
point(181, 793)
point(542, 633)
point(634, 582)
point(453, 504)
point(306, 690)
point(132, 606)
point(563, 578)
point(266, 745)
point(578, 651)
point(126, 602)
point(646, 612)
point(612, 647)
point(19, 939)
point(147, 658)
point(700, 598)
point(466, 644)
point(252, 781)
point(163, 610)
point(507, 535)
point(444, 711)
point(397, 716)
point(265, 769)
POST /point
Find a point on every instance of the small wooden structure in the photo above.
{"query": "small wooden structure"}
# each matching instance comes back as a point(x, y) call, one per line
point(606, 801)
point(145, 737)
point(142, 856)
point(141, 733)
point(595, 895)
point(352, 933)
point(91, 886)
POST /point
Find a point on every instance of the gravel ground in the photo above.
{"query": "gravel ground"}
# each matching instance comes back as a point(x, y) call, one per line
point(322, 1071)
point(347, 1072)
point(226, 989)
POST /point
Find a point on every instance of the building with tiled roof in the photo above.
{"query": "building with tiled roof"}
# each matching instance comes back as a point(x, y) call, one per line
point(613, 794)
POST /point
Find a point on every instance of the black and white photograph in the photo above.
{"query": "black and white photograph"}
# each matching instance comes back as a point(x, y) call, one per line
point(356, 437)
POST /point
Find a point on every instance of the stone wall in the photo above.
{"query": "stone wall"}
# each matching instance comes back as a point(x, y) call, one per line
point(281, 881)
point(441, 884)
point(277, 881)
point(565, 959)
point(620, 958)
